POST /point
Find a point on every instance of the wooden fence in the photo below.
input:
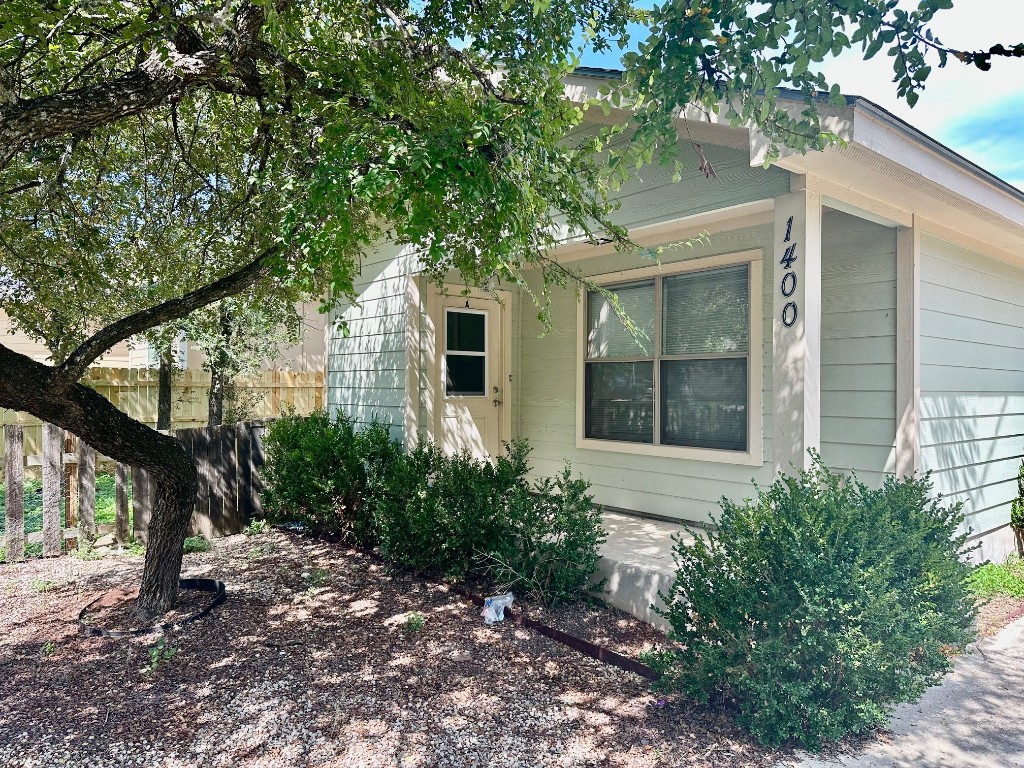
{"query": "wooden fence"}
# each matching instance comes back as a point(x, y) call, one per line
point(134, 391)
point(69, 464)
point(227, 459)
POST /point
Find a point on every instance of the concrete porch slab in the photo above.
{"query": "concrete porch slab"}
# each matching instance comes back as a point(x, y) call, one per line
point(636, 562)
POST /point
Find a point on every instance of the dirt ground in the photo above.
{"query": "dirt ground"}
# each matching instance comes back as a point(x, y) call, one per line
point(313, 660)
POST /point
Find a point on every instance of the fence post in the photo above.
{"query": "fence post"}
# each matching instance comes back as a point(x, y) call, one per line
point(14, 521)
point(53, 474)
point(70, 489)
point(121, 504)
point(86, 491)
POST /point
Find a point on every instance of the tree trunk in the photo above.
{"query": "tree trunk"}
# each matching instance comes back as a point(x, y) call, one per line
point(163, 407)
point(219, 374)
point(215, 415)
point(29, 386)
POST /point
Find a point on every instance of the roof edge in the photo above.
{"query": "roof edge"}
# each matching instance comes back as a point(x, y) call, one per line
point(879, 112)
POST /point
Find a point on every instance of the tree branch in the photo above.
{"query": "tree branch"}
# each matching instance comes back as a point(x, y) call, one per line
point(153, 83)
point(78, 362)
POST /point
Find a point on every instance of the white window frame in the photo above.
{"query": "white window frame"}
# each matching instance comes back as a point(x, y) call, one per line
point(458, 353)
point(754, 455)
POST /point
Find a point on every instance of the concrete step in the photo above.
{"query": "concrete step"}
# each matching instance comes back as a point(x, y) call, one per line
point(637, 563)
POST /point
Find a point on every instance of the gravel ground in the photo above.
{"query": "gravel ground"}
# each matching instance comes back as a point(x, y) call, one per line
point(996, 612)
point(312, 662)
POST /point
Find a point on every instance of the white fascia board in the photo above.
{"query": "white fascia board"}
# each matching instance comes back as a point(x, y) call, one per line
point(876, 130)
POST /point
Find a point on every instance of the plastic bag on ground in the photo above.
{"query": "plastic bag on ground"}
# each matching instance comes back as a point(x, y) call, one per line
point(494, 608)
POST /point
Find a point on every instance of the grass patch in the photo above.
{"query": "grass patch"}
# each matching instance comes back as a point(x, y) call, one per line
point(196, 544)
point(1005, 578)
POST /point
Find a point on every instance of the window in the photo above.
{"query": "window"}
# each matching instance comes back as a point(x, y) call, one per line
point(465, 356)
point(688, 384)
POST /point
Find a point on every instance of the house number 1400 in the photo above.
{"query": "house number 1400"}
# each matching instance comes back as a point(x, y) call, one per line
point(788, 285)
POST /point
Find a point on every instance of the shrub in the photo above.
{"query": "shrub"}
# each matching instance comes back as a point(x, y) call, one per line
point(550, 548)
point(456, 517)
point(1017, 511)
point(316, 474)
point(819, 605)
point(438, 514)
point(196, 544)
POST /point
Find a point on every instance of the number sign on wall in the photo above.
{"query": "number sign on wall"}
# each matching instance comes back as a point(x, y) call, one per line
point(790, 311)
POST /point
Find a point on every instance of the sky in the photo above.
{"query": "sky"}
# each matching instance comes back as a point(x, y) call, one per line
point(977, 114)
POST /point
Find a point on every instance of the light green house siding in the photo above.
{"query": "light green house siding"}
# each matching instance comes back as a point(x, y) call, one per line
point(858, 378)
point(652, 196)
point(858, 346)
point(545, 404)
point(366, 370)
point(544, 365)
point(972, 380)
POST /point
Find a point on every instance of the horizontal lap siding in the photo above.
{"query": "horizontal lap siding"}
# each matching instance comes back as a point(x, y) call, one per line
point(546, 405)
point(972, 379)
point(858, 346)
point(366, 373)
point(651, 196)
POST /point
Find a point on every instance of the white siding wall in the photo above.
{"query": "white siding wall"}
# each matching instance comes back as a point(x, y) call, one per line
point(972, 384)
point(545, 405)
point(366, 371)
point(858, 346)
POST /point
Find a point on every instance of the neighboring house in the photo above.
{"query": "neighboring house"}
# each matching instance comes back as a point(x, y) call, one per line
point(307, 355)
point(866, 301)
point(12, 338)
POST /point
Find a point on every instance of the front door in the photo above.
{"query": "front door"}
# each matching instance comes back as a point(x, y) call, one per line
point(474, 376)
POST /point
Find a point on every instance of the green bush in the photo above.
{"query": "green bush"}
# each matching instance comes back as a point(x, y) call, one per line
point(456, 517)
point(819, 605)
point(196, 544)
point(316, 474)
point(1017, 505)
point(549, 550)
point(437, 514)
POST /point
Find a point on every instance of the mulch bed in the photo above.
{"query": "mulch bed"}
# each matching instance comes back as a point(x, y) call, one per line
point(114, 610)
point(311, 661)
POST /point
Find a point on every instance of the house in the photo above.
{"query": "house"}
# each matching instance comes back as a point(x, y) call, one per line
point(308, 354)
point(866, 301)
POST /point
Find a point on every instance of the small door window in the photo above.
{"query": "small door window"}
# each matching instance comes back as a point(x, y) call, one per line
point(465, 357)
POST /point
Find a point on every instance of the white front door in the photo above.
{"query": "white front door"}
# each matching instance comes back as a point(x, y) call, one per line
point(474, 377)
